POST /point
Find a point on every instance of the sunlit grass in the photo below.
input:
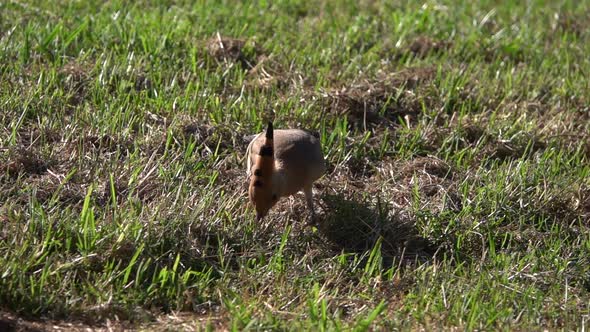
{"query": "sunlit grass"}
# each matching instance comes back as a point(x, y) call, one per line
point(456, 135)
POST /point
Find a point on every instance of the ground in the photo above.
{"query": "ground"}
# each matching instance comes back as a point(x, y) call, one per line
point(458, 187)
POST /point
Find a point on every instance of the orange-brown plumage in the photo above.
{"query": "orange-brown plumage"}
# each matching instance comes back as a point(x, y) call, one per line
point(260, 189)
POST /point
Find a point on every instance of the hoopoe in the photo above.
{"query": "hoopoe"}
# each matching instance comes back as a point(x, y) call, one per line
point(281, 163)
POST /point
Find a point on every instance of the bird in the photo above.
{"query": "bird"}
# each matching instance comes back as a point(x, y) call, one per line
point(281, 163)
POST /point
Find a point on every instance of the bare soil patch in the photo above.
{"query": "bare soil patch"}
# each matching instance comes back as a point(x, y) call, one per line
point(210, 139)
point(181, 321)
point(75, 77)
point(423, 46)
point(575, 23)
point(22, 160)
point(386, 99)
point(227, 50)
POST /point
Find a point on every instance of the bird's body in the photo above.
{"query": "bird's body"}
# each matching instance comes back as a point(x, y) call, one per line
point(291, 160)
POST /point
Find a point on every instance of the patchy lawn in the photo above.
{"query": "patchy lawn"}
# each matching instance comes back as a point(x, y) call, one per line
point(457, 137)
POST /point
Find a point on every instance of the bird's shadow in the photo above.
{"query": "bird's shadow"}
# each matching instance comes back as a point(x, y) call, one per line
point(355, 227)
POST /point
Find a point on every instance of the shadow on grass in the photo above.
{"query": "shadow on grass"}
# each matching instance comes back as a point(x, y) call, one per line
point(355, 227)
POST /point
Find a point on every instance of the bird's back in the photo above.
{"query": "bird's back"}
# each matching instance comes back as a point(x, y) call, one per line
point(298, 156)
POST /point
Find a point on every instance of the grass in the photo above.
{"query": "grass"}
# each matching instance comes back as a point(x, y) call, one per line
point(458, 190)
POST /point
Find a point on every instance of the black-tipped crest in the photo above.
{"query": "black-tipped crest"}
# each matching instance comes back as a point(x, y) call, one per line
point(266, 151)
point(269, 130)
